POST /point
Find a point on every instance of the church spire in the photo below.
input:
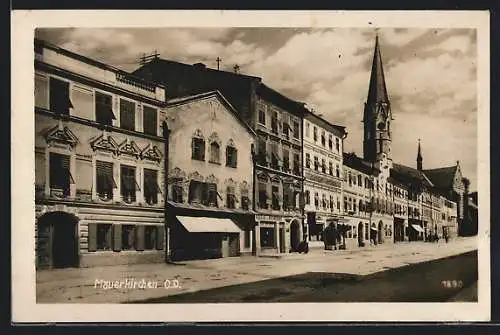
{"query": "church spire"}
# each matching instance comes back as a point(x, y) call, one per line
point(419, 157)
point(377, 92)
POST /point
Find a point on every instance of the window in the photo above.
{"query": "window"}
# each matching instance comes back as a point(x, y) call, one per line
point(230, 197)
point(151, 187)
point(274, 123)
point(214, 153)
point(308, 129)
point(60, 102)
point(323, 201)
point(323, 139)
point(150, 122)
point(345, 205)
point(128, 237)
point(127, 114)
point(274, 156)
point(323, 166)
point(246, 239)
point(338, 204)
point(104, 109)
point(350, 179)
point(316, 163)
point(307, 197)
point(331, 203)
point(267, 237)
point(354, 206)
point(177, 190)
point(296, 130)
point(263, 195)
point(150, 237)
point(204, 193)
point(105, 180)
point(330, 168)
point(262, 156)
point(286, 160)
point(198, 149)
point(262, 117)
point(360, 181)
point(60, 175)
point(308, 160)
point(245, 199)
point(361, 207)
point(337, 144)
point(316, 199)
point(337, 171)
point(330, 142)
point(231, 157)
point(275, 198)
point(286, 128)
point(367, 232)
point(128, 183)
point(296, 164)
point(104, 237)
point(315, 134)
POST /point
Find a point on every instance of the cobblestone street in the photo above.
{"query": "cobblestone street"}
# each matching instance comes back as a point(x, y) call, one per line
point(81, 285)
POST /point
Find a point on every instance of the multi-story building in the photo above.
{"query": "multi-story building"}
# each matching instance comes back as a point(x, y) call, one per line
point(99, 153)
point(322, 158)
point(210, 179)
point(277, 120)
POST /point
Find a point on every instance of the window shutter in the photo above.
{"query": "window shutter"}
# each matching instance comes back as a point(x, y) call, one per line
point(160, 230)
point(117, 237)
point(92, 236)
point(83, 102)
point(40, 169)
point(41, 91)
point(139, 237)
point(235, 158)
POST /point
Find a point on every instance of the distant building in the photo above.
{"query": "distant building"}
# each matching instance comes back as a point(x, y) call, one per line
point(99, 153)
point(322, 157)
point(210, 179)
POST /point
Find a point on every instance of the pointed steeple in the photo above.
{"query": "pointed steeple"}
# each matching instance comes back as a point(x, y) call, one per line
point(377, 91)
point(419, 157)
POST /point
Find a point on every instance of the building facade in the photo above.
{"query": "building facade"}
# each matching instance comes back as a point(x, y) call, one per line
point(99, 153)
point(322, 166)
point(210, 179)
point(277, 120)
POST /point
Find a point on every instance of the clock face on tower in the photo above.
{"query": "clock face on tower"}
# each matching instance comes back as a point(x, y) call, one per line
point(381, 126)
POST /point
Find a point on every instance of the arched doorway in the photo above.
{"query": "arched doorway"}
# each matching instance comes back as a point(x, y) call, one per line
point(360, 234)
point(57, 240)
point(380, 236)
point(294, 235)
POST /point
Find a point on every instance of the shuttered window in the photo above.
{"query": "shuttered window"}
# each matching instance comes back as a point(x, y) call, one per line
point(128, 237)
point(245, 200)
point(83, 102)
point(150, 236)
point(128, 183)
point(231, 197)
point(41, 91)
point(212, 194)
point(103, 237)
point(231, 157)
point(105, 180)
point(150, 121)
point(198, 149)
point(104, 109)
point(60, 102)
point(177, 190)
point(151, 187)
point(60, 176)
point(127, 114)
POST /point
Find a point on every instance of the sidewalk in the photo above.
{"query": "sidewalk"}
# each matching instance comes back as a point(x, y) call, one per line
point(88, 285)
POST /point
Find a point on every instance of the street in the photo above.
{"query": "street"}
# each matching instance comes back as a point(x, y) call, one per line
point(295, 277)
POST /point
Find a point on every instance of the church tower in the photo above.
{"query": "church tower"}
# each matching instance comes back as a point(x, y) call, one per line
point(419, 157)
point(377, 114)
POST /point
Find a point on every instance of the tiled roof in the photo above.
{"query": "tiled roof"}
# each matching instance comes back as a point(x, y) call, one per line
point(442, 177)
point(407, 174)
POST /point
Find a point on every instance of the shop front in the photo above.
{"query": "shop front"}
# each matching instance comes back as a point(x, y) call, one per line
point(206, 234)
point(277, 234)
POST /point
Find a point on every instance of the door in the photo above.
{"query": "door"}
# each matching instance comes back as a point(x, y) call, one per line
point(234, 245)
point(64, 248)
point(282, 240)
point(360, 234)
point(294, 235)
point(379, 234)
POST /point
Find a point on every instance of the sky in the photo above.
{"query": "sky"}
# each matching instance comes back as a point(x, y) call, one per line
point(430, 75)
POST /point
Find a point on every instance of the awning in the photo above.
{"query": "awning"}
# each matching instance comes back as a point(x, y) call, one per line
point(418, 228)
point(195, 224)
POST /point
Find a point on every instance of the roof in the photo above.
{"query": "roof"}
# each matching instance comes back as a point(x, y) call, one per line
point(354, 162)
point(408, 174)
point(129, 76)
point(281, 100)
point(189, 98)
point(377, 92)
point(442, 177)
point(318, 120)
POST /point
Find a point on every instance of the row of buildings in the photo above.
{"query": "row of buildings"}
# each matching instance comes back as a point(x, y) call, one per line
point(177, 161)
